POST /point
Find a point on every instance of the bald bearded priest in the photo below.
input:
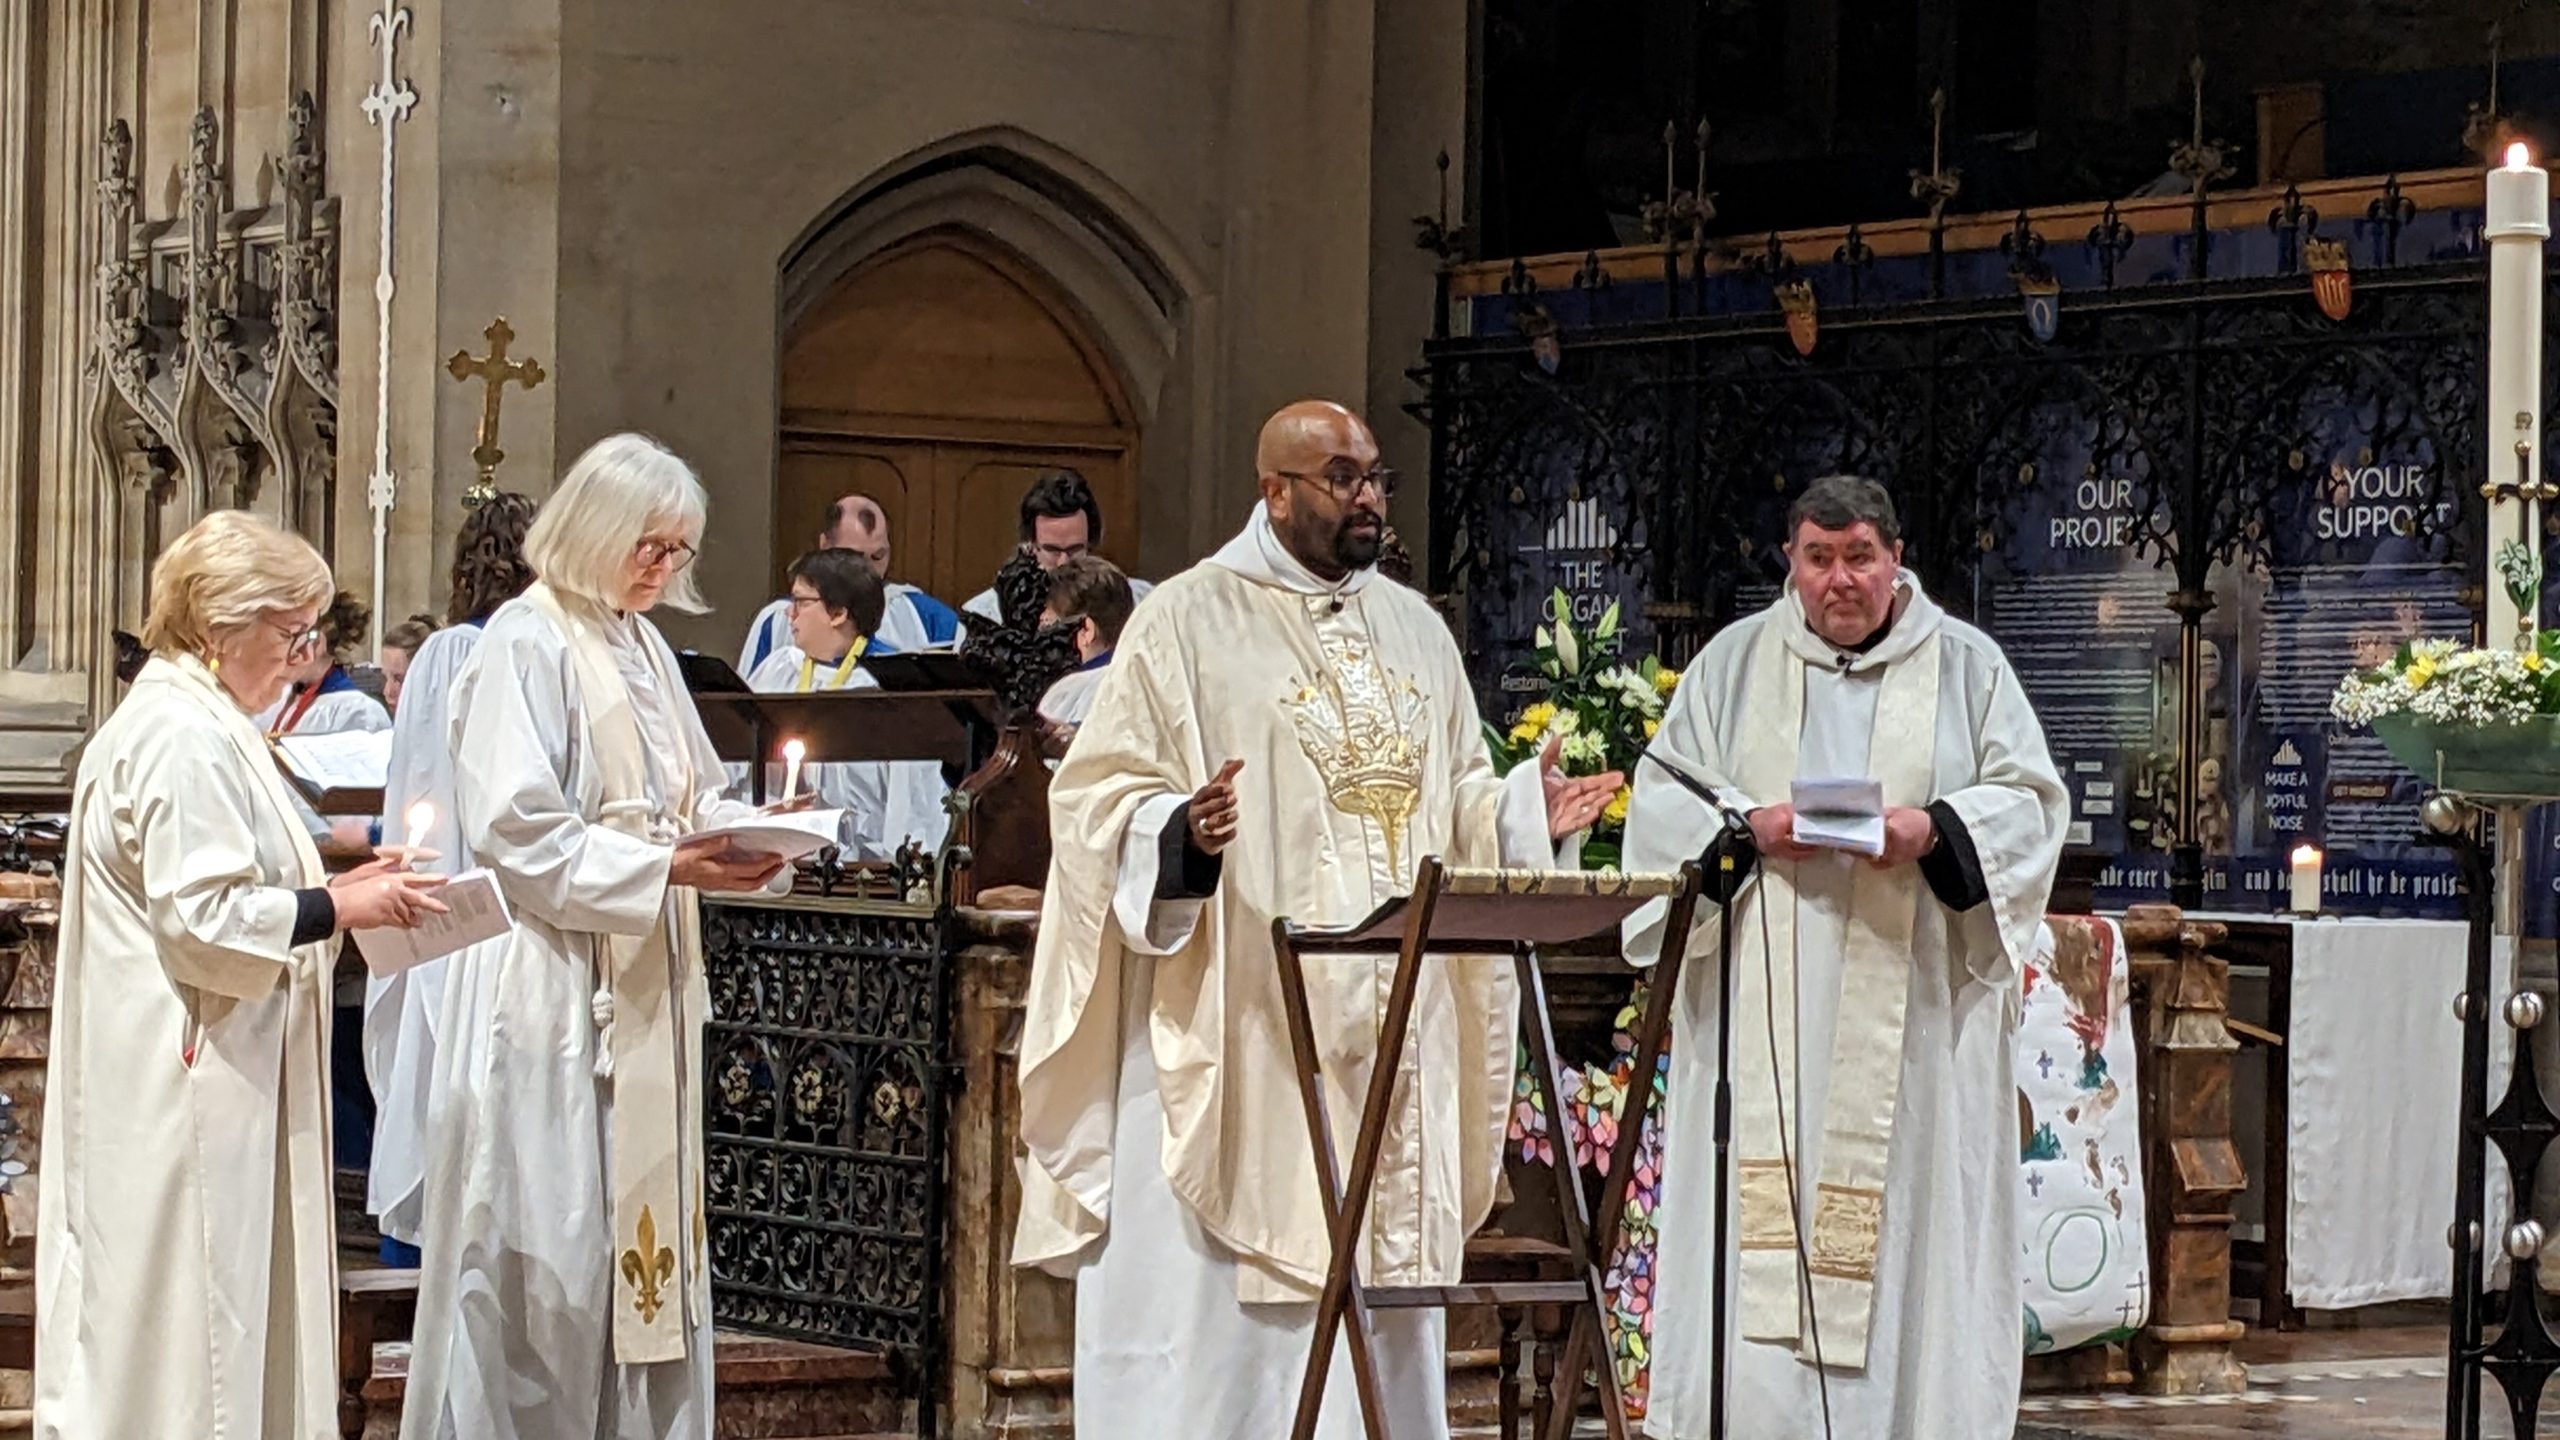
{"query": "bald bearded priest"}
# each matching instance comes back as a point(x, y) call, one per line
point(1283, 734)
point(1873, 1024)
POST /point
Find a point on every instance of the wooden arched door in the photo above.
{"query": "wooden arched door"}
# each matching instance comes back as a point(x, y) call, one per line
point(941, 377)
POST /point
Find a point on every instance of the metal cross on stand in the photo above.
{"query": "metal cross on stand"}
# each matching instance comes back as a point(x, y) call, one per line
point(494, 370)
point(2202, 161)
point(1941, 183)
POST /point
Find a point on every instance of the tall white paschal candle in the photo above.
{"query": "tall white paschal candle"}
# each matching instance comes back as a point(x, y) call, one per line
point(2518, 222)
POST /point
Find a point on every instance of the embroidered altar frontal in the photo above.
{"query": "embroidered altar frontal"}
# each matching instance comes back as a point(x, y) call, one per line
point(824, 1068)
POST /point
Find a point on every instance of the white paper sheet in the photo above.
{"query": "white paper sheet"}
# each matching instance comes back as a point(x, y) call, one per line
point(475, 911)
point(1844, 814)
point(792, 836)
point(346, 760)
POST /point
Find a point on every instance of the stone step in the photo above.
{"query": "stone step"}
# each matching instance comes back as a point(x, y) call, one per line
point(769, 1390)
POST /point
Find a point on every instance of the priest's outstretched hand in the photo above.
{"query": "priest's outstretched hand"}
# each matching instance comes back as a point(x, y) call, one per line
point(1572, 804)
point(1213, 810)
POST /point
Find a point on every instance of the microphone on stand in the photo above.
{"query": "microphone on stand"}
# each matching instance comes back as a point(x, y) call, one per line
point(1735, 834)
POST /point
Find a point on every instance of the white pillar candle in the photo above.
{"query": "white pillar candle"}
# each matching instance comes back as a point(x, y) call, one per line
point(2306, 880)
point(792, 751)
point(422, 818)
point(2517, 222)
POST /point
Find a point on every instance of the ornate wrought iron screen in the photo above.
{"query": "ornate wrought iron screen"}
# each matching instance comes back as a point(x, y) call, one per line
point(825, 1062)
point(2085, 438)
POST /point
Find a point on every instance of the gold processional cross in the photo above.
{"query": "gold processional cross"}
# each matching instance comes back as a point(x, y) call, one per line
point(495, 370)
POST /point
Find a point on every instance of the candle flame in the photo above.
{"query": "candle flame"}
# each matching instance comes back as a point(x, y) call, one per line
point(793, 750)
point(421, 816)
point(2306, 854)
point(2519, 156)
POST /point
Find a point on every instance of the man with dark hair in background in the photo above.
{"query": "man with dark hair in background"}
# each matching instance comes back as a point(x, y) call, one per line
point(1061, 521)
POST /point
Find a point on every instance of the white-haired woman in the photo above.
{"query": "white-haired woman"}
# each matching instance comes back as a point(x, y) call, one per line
point(565, 1289)
point(185, 1255)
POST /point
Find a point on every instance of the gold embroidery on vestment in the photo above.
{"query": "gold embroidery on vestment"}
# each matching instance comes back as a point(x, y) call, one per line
point(649, 1267)
point(1846, 1221)
point(1361, 726)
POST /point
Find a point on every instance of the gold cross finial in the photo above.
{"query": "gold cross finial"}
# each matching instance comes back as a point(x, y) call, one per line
point(494, 370)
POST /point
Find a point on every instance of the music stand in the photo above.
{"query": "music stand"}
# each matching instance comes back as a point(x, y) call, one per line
point(1457, 911)
point(956, 728)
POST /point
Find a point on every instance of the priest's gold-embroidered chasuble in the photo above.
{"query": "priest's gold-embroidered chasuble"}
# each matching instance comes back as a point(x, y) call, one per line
point(1169, 1167)
point(1873, 1034)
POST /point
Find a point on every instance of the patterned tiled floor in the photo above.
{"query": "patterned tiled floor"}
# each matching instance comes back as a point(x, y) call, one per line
point(2383, 1384)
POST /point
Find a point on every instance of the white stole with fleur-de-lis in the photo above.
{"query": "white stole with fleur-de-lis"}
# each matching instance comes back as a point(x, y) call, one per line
point(657, 1281)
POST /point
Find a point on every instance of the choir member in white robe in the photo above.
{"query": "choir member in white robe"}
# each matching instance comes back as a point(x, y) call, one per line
point(400, 646)
point(910, 620)
point(1090, 593)
point(186, 1275)
point(1893, 1019)
point(835, 599)
point(1285, 736)
point(401, 1010)
point(564, 1289)
point(1061, 520)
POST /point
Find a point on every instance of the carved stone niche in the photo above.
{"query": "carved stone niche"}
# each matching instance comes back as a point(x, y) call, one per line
point(214, 363)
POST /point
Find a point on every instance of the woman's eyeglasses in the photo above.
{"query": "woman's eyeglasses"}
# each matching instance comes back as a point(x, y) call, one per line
point(674, 554)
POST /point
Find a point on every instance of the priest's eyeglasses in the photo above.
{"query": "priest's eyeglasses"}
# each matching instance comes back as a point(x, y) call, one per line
point(1343, 482)
point(674, 554)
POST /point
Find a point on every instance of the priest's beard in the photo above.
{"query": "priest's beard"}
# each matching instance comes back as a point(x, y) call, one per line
point(1335, 546)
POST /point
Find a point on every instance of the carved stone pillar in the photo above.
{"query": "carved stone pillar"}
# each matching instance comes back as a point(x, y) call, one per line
point(1012, 1331)
point(2181, 999)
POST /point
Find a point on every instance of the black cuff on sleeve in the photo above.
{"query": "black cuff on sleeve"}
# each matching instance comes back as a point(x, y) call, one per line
point(315, 916)
point(1953, 869)
point(1184, 871)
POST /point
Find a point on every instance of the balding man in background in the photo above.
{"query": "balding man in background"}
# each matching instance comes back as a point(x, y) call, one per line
point(911, 620)
point(1282, 736)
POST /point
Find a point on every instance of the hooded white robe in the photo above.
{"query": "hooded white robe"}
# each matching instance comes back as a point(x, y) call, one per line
point(1942, 1337)
point(1170, 1169)
point(516, 1291)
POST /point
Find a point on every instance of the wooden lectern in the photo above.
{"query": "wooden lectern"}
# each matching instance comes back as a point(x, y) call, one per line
point(925, 708)
point(1480, 913)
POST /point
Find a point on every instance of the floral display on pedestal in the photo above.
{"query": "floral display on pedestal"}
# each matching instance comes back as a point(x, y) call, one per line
point(1601, 712)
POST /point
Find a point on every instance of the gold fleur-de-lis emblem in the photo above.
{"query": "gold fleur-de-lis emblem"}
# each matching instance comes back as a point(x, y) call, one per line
point(649, 1267)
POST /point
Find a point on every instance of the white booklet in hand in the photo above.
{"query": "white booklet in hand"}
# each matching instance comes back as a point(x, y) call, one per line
point(475, 911)
point(1840, 815)
point(794, 835)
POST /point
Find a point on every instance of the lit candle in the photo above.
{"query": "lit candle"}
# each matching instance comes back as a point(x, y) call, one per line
point(422, 818)
point(2306, 880)
point(792, 750)
point(2517, 222)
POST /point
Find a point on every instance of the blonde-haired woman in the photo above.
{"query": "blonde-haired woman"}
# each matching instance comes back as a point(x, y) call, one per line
point(565, 1290)
point(185, 1267)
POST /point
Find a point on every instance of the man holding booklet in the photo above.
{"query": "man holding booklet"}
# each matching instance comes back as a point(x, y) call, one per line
point(1909, 822)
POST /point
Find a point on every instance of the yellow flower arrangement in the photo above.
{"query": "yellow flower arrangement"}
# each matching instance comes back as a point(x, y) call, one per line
point(1616, 813)
point(1533, 723)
